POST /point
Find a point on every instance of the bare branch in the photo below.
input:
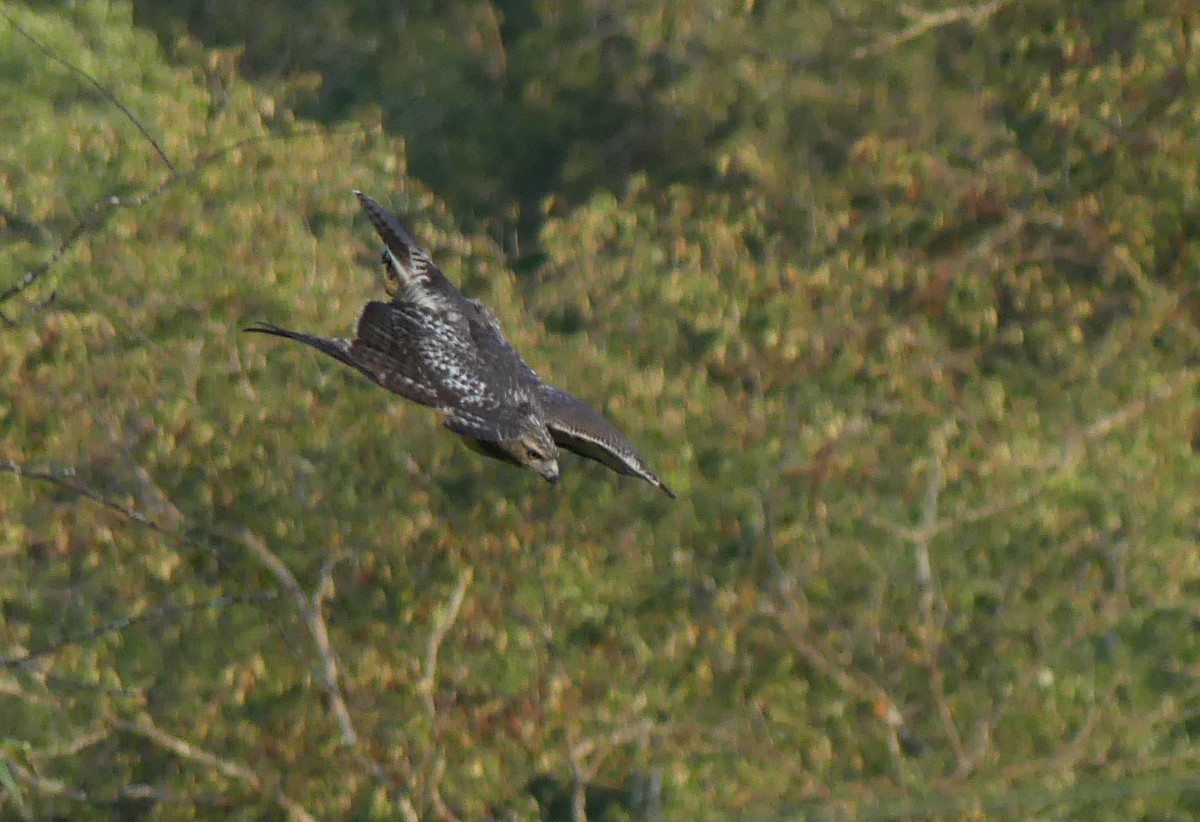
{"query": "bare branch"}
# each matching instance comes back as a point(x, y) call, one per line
point(579, 783)
point(931, 633)
point(95, 216)
point(164, 611)
point(22, 284)
point(1050, 470)
point(96, 84)
point(48, 786)
point(855, 683)
point(921, 536)
point(924, 23)
point(1072, 451)
point(44, 785)
point(65, 479)
point(327, 670)
point(449, 613)
point(794, 626)
point(308, 610)
point(226, 767)
point(32, 232)
point(185, 750)
point(69, 748)
point(435, 793)
point(586, 756)
point(597, 751)
point(427, 686)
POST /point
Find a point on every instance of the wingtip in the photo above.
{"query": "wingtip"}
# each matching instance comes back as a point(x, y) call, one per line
point(269, 328)
point(367, 201)
point(670, 494)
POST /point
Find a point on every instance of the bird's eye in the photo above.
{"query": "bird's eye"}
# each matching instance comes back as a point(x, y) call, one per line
point(534, 453)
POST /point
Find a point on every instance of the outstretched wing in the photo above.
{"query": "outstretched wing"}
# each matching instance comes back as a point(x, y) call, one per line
point(576, 427)
point(411, 274)
point(421, 356)
point(379, 366)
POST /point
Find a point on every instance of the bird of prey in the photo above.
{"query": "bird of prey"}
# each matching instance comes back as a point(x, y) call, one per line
point(432, 345)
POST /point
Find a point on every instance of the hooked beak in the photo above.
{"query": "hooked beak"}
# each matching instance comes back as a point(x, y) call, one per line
point(550, 473)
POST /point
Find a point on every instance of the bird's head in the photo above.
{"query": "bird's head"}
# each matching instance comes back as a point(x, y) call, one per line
point(537, 452)
point(534, 450)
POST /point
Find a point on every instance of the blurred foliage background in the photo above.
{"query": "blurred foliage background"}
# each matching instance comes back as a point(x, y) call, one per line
point(901, 299)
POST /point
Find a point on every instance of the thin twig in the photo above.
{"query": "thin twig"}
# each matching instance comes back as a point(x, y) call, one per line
point(95, 215)
point(1050, 470)
point(427, 685)
point(584, 771)
point(596, 752)
point(579, 782)
point(794, 628)
point(309, 611)
point(226, 767)
point(96, 84)
point(70, 748)
point(931, 638)
point(170, 609)
point(924, 23)
point(65, 479)
point(42, 784)
point(182, 534)
point(71, 683)
point(327, 670)
point(49, 786)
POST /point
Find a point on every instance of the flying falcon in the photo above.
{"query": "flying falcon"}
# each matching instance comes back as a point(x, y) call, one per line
point(432, 345)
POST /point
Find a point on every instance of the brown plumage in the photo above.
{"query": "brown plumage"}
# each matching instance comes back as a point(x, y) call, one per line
point(432, 345)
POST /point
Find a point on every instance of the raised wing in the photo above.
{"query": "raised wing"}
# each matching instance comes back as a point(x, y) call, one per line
point(411, 274)
point(576, 427)
point(421, 356)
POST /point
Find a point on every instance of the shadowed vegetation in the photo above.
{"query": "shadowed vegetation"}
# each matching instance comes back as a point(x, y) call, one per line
point(902, 304)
